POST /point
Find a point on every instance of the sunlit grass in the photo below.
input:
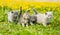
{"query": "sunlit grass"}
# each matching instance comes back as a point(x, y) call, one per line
point(14, 29)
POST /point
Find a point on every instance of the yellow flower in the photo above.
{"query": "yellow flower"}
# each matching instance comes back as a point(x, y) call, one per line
point(16, 4)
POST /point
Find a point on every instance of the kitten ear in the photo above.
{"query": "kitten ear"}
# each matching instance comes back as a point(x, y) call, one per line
point(46, 13)
point(11, 11)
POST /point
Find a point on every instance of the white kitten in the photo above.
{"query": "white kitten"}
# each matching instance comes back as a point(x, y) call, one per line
point(43, 18)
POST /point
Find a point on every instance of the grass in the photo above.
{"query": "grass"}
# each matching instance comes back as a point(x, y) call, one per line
point(14, 29)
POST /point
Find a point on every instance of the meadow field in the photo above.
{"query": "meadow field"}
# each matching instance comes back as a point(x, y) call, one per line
point(14, 29)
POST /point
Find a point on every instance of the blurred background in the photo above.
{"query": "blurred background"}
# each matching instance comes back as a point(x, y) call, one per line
point(41, 6)
point(14, 4)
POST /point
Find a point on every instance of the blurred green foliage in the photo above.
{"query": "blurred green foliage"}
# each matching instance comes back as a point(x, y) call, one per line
point(14, 29)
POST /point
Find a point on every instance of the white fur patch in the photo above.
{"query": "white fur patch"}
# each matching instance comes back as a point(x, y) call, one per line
point(44, 18)
point(10, 16)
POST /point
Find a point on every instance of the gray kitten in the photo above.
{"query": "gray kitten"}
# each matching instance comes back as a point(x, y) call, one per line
point(23, 18)
point(12, 16)
point(15, 16)
point(32, 19)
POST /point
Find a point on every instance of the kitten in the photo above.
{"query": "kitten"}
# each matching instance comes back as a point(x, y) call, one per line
point(13, 16)
point(43, 18)
point(23, 18)
point(32, 19)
